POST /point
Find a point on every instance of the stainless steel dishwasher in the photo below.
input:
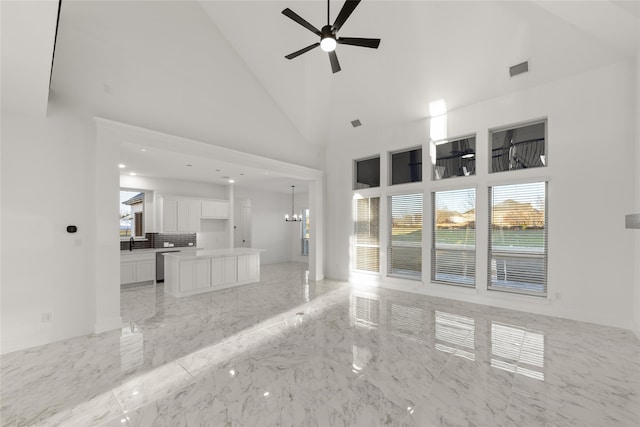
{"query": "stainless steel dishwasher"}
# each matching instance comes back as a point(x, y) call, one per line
point(160, 265)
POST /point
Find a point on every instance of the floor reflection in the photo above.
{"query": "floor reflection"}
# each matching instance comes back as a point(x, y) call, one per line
point(289, 351)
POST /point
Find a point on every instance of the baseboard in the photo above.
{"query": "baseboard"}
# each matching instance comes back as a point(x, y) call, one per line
point(104, 325)
point(527, 304)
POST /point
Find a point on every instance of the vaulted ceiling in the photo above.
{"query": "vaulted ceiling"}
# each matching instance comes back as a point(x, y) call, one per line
point(215, 71)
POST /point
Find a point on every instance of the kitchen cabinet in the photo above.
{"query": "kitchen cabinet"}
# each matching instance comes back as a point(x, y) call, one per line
point(248, 267)
point(215, 209)
point(177, 214)
point(223, 270)
point(189, 273)
point(137, 268)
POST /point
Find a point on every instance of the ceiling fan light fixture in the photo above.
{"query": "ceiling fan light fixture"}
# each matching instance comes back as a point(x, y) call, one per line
point(328, 44)
point(328, 39)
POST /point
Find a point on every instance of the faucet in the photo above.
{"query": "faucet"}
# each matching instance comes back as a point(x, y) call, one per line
point(132, 244)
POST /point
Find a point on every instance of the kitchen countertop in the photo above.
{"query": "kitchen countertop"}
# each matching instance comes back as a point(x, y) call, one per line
point(213, 253)
point(126, 252)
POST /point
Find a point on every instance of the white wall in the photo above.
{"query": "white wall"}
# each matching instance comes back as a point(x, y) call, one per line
point(637, 203)
point(214, 233)
point(269, 229)
point(45, 163)
point(591, 131)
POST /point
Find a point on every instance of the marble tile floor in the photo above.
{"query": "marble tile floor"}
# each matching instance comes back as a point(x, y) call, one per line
point(287, 352)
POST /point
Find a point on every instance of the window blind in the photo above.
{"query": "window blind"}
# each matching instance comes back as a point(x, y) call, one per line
point(453, 252)
point(405, 241)
point(518, 238)
point(367, 234)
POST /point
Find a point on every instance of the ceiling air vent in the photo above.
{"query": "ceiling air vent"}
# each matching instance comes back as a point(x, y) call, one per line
point(355, 123)
point(520, 68)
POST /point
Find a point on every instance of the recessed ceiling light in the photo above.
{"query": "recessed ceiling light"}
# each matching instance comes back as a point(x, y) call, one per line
point(241, 174)
point(231, 181)
point(217, 170)
point(132, 173)
point(143, 149)
point(121, 166)
point(189, 165)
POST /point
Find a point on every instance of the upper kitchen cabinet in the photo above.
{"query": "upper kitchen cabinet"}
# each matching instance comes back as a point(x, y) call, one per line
point(182, 215)
point(216, 209)
point(177, 215)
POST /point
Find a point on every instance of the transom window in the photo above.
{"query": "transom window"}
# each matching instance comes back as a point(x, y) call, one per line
point(521, 147)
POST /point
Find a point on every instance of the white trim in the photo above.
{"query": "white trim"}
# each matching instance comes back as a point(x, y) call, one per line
point(522, 303)
point(104, 325)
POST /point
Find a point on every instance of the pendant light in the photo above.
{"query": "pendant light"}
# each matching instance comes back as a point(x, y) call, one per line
point(294, 217)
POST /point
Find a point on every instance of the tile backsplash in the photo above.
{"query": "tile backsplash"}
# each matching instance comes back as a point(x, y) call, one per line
point(157, 240)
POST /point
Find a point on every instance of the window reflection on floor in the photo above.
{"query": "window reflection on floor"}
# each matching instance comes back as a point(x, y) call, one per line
point(131, 348)
point(361, 358)
point(455, 334)
point(517, 350)
point(365, 311)
point(407, 321)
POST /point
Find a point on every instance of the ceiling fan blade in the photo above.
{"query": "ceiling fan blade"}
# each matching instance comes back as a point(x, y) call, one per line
point(335, 65)
point(356, 41)
point(291, 14)
point(303, 50)
point(345, 12)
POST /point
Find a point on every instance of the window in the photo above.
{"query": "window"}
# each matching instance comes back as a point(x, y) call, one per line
point(366, 234)
point(518, 238)
point(131, 214)
point(405, 241)
point(305, 232)
point(518, 148)
point(406, 166)
point(453, 252)
point(367, 173)
point(455, 158)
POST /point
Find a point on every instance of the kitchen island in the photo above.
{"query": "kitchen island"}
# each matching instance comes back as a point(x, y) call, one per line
point(195, 272)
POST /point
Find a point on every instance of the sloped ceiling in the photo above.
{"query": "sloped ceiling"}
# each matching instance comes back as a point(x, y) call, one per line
point(215, 71)
point(453, 50)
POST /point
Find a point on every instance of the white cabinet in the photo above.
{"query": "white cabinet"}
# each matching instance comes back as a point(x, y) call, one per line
point(194, 274)
point(204, 271)
point(127, 272)
point(136, 268)
point(177, 214)
point(223, 271)
point(216, 209)
point(248, 267)
point(169, 215)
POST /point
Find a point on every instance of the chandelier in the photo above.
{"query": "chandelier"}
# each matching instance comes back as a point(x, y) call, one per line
point(294, 217)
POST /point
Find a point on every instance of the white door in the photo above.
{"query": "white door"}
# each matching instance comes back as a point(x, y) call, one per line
point(245, 226)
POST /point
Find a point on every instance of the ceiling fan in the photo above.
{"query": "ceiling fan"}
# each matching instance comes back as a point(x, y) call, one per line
point(329, 34)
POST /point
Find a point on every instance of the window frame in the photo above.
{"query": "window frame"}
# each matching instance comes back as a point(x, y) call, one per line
point(434, 156)
point(545, 255)
point(515, 126)
point(354, 168)
point(390, 273)
point(143, 236)
point(355, 247)
point(433, 248)
point(390, 165)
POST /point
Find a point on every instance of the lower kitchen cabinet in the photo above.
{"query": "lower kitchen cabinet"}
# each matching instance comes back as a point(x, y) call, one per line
point(137, 268)
point(203, 271)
